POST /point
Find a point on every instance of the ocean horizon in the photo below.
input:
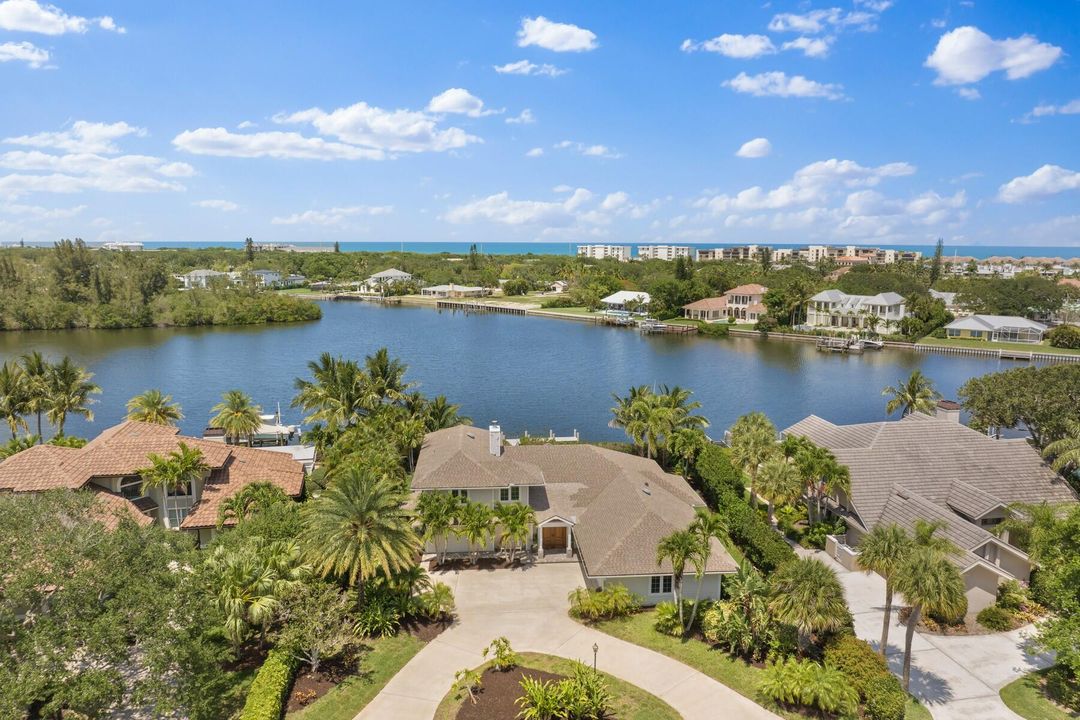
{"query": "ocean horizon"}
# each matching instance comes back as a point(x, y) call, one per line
point(550, 248)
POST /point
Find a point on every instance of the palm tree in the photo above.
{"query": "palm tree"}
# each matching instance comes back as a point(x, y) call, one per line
point(1066, 450)
point(679, 548)
point(179, 469)
point(516, 520)
point(779, 483)
point(251, 499)
point(822, 475)
point(14, 397)
point(929, 582)
point(883, 550)
point(335, 396)
point(237, 416)
point(685, 446)
point(386, 378)
point(750, 593)
point(358, 527)
point(69, 390)
point(437, 513)
point(753, 441)
point(629, 413)
point(441, 413)
point(916, 394)
point(409, 433)
point(807, 594)
point(155, 407)
point(475, 525)
point(36, 369)
point(1029, 526)
point(706, 527)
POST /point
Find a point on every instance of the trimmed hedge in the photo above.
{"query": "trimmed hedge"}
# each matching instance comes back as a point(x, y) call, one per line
point(995, 618)
point(270, 688)
point(883, 698)
point(721, 486)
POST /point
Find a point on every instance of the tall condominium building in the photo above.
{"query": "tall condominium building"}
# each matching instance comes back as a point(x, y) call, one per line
point(601, 252)
point(735, 252)
point(662, 252)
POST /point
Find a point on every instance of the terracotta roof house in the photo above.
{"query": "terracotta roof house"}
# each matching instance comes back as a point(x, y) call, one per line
point(935, 468)
point(109, 464)
point(743, 303)
point(605, 508)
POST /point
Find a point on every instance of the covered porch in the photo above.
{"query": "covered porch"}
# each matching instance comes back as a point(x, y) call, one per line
point(555, 538)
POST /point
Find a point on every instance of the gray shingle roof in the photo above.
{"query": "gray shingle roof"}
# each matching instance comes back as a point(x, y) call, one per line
point(620, 504)
point(994, 322)
point(929, 457)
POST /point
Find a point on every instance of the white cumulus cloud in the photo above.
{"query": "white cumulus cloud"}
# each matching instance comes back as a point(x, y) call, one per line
point(600, 151)
point(1047, 180)
point(525, 117)
point(279, 145)
point(222, 205)
point(1045, 109)
point(535, 152)
point(810, 47)
point(524, 67)
point(756, 148)
point(779, 84)
point(34, 17)
point(332, 216)
point(816, 21)
point(459, 101)
point(25, 52)
point(733, 46)
point(81, 137)
point(967, 55)
point(556, 36)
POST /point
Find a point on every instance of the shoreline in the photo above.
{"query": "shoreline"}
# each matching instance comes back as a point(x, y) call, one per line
point(1037, 353)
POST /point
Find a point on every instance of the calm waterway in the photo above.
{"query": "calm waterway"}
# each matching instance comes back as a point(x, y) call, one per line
point(530, 373)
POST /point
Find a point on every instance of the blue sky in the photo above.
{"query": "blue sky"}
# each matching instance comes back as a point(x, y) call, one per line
point(868, 122)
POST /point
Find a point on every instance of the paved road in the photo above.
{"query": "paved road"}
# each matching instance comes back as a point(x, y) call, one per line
point(529, 607)
point(956, 677)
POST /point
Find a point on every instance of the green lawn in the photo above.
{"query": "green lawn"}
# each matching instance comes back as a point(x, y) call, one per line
point(1026, 698)
point(628, 702)
point(569, 311)
point(1042, 347)
point(717, 664)
point(382, 662)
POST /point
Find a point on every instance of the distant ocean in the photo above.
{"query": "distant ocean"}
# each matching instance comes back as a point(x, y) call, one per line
point(516, 248)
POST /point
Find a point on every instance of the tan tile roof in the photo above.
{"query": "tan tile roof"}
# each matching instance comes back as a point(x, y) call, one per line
point(110, 508)
point(713, 303)
point(620, 504)
point(123, 449)
point(940, 460)
point(749, 289)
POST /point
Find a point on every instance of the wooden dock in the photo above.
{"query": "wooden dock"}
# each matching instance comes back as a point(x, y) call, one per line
point(477, 307)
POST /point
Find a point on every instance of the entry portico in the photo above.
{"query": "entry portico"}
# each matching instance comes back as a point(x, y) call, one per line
point(555, 535)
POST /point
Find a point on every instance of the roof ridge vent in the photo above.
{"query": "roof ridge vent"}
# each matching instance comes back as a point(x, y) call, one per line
point(646, 489)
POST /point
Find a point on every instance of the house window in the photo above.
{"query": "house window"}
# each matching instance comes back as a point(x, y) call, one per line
point(510, 494)
point(659, 584)
point(986, 522)
point(131, 487)
point(460, 494)
point(180, 490)
point(177, 515)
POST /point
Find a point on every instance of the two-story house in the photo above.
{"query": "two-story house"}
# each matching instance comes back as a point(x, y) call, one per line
point(838, 310)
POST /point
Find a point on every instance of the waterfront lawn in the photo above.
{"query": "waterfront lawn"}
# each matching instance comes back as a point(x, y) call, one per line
point(1027, 698)
point(569, 311)
point(740, 676)
point(386, 657)
point(1042, 347)
point(628, 702)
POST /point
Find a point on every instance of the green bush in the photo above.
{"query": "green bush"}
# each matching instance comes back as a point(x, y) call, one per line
point(270, 688)
point(995, 618)
point(814, 537)
point(938, 333)
point(583, 696)
point(882, 695)
point(612, 601)
point(666, 619)
point(719, 330)
point(1063, 687)
point(1011, 595)
point(1065, 336)
point(721, 486)
point(805, 683)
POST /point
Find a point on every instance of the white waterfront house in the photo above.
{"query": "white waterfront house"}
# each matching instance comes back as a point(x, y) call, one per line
point(200, 278)
point(602, 252)
point(454, 291)
point(996, 328)
point(382, 281)
point(662, 252)
point(636, 299)
point(606, 509)
point(836, 309)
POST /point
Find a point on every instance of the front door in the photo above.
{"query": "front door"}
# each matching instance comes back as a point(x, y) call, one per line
point(554, 538)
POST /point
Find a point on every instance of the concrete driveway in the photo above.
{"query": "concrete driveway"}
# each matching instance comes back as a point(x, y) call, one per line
point(528, 606)
point(956, 677)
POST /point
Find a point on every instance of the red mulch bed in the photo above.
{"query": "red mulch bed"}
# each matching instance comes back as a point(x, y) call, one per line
point(309, 687)
point(497, 697)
